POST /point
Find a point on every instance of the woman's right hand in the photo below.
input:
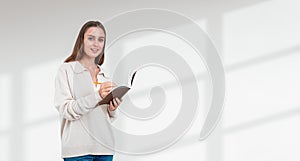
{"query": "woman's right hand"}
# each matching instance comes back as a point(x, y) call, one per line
point(105, 88)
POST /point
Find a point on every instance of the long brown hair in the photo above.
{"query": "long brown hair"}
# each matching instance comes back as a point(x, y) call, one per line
point(78, 47)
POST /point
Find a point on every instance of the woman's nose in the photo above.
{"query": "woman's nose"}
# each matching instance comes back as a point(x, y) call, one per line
point(96, 43)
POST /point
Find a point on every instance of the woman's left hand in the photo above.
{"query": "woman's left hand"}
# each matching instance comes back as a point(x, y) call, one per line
point(113, 105)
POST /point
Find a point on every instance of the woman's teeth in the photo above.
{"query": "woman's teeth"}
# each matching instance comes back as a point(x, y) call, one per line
point(95, 50)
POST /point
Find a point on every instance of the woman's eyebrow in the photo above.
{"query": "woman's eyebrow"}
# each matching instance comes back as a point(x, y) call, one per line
point(95, 36)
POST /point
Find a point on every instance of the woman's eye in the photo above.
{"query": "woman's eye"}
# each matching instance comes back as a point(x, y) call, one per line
point(101, 40)
point(90, 38)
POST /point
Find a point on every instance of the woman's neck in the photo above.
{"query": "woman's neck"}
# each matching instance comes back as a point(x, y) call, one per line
point(88, 63)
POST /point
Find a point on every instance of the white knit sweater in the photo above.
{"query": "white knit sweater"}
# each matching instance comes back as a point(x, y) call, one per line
point(85, 126)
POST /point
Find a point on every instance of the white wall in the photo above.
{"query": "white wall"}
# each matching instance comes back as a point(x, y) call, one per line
point(257, 40)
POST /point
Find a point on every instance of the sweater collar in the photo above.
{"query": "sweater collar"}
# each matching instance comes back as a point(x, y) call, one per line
point(78, 68)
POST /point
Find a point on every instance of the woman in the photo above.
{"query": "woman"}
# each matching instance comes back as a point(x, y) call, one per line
point(77, 93)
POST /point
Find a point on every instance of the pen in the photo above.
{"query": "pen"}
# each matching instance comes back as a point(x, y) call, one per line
point(97, 82)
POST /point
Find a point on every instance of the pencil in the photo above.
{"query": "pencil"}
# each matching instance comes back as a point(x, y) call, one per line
point(97, 82)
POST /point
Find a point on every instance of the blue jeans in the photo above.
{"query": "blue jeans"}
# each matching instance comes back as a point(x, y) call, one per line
point(91, 158)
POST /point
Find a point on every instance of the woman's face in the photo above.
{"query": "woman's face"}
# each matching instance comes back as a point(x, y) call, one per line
point(94, 39)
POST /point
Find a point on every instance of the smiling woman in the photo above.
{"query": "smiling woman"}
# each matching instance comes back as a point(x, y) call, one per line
point(86, 36)
point(77, 98)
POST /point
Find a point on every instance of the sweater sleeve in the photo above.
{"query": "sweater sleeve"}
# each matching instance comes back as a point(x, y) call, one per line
point(112, 114)
point(68, 107)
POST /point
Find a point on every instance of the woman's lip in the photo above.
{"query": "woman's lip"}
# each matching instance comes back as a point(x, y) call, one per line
point(95, 50)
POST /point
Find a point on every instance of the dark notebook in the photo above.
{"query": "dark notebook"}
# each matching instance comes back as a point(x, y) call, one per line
point(118, 92)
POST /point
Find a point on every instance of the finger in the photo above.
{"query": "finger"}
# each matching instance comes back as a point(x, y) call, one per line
point(106, 87)
point(111, 106)
point(118, 100)
point(108, 84)
point(105, 90)
point(115, 102)
point(104, 94)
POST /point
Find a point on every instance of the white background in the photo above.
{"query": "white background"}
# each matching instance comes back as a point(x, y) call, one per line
point(258, 41)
